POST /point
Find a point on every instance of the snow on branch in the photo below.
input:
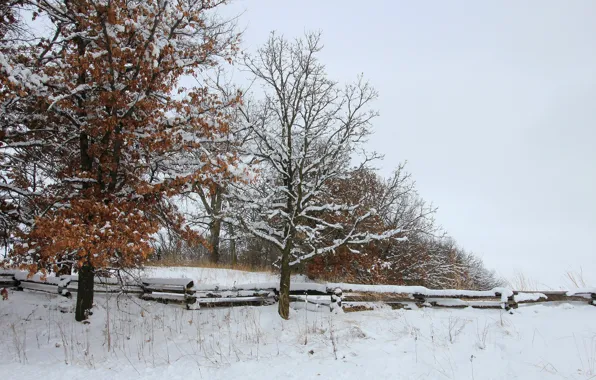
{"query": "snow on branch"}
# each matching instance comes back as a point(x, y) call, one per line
point(304, 132)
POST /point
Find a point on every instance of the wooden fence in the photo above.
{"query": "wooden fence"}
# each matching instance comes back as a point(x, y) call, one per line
point(349, 297)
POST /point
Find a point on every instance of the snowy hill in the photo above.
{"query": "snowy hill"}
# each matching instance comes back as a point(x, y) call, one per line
point(132, 339)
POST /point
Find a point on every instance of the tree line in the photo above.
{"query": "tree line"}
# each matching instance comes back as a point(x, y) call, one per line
point(106, 159)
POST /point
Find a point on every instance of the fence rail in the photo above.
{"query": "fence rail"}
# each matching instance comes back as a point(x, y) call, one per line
point(348, 297)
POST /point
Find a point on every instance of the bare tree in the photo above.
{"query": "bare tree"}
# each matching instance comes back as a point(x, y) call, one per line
point(208, 200)
point(305, 131)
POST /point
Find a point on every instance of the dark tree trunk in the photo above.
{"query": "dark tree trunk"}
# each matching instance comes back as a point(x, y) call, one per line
point(84, 292)
point(284, 282)
point(233, 253)
point(215, 231)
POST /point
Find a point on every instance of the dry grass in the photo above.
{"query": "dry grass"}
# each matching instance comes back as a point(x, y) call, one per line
point(576, 279)
point(520, 281)
point(354, 308)
point(334, 277)
point(573, 279)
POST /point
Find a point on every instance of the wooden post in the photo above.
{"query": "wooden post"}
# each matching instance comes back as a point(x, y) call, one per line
point(420, 300)
point(505, 303)
point(336, 298)
point(192, 302)
point(511, 303)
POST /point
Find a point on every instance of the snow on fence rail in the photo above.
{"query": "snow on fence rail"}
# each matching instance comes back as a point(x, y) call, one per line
point(349, 297)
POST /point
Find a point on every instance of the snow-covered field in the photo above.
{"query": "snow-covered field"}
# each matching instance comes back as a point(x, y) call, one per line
point(131, 339)
point(214, 276)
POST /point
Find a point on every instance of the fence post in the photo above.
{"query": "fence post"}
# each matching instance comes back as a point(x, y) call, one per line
point(192, 302)
point(336, 298)
point(511, 303)
point(420, 300)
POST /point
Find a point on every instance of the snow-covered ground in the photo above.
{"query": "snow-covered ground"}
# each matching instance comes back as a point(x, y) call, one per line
point(213, 276)
point(131, 339)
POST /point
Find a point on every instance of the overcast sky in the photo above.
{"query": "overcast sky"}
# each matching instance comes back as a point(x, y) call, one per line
point(493, 105)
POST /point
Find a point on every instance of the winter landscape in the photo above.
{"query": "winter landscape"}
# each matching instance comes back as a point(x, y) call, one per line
point(256, 189)
point(129, 338)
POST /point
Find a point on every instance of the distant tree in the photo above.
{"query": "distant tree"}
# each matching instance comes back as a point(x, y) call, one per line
point(427, 257)
point(94, 142)
point(208, 201)
point(398, 205)
point(305, 131)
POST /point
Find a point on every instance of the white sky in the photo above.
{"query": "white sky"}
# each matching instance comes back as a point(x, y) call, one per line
point(493, 104)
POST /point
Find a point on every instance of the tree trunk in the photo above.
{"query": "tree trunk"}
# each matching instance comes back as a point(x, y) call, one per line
point(84, 292)
point(233, 252)
point(214, 231)
point(233, 247)
point(284, 282)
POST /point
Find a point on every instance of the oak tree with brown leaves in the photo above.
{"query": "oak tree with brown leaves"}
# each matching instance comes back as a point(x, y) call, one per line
point(97, 137)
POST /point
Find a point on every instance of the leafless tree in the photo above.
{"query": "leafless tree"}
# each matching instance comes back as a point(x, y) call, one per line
point(305, 131)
